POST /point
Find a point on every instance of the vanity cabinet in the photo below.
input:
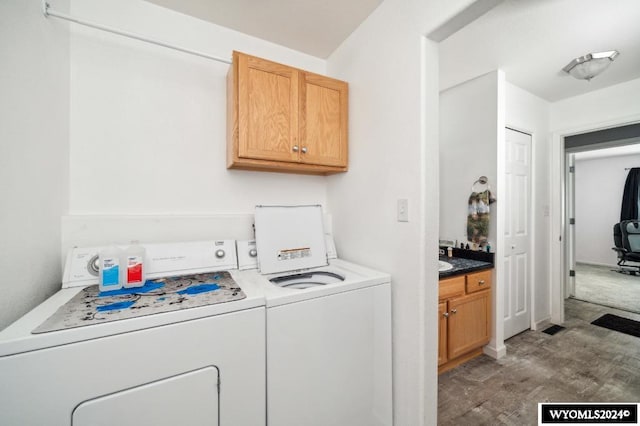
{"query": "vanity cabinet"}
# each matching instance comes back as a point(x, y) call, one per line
point(280, 118)
point(464, 313)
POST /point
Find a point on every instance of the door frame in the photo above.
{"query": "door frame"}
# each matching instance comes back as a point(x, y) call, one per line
point(570, 203)
point(558, 254)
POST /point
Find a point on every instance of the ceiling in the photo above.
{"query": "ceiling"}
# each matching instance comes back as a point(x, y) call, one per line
point(316, 27)
point(531, 40)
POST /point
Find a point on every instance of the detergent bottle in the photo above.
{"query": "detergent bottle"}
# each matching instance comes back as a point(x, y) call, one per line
point(110, 259)
point(135, 265)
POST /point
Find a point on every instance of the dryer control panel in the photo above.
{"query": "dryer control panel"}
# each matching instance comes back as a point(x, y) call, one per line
point(163, 259)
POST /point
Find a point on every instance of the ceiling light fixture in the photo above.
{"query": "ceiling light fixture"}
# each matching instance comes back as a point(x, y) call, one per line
point(588, 66)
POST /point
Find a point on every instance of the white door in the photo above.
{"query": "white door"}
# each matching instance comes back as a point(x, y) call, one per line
point(517, 232)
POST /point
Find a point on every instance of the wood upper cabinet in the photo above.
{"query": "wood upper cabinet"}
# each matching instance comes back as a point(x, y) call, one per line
point(284, 119)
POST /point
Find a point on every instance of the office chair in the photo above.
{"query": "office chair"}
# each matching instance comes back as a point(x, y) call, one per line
point(626, 238)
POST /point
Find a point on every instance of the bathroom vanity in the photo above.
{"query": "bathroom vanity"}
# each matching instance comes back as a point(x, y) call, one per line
point(464, 310)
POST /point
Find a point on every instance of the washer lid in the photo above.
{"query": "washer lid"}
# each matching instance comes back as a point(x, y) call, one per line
point(289, 238)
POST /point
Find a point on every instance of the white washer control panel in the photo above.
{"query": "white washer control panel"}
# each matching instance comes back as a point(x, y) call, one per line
point(247, 254)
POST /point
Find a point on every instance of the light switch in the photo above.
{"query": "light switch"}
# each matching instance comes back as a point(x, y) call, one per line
point(403, 210)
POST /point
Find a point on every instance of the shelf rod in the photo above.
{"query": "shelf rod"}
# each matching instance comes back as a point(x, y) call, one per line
point(49, 12)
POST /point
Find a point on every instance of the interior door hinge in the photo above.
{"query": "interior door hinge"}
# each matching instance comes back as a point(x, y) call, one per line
point(572, 169)
point(572, 273)
point(572, 221)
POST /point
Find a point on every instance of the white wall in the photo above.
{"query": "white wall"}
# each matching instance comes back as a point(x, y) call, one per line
point(472, 120)
point(468, 150)
point(148, 124)
point(393, 74)
point(529, 113)
point(34, 134)
point(598, 190)
point(615, 103)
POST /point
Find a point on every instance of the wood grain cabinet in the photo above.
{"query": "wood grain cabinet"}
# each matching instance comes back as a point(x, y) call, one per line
point(283, 119)
point(464, 313)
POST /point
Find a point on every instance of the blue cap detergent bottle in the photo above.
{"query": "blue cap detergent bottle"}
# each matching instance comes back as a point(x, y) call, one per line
point(110, 269)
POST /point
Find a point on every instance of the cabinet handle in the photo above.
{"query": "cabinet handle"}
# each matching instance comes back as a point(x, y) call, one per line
point(295, 148)
point(481, 282)
point(446, 314)
point(453, 311)
point(304, 149)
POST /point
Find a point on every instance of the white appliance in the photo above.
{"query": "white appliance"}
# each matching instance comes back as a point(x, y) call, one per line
point(328, 326)
point(201, 365)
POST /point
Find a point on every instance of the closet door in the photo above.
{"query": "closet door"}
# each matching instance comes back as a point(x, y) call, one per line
point(517, 238)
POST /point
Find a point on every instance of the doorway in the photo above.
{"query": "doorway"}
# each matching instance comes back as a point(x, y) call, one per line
point(595, 181)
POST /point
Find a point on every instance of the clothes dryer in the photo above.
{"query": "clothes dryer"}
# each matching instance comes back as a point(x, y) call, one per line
point(188, 348)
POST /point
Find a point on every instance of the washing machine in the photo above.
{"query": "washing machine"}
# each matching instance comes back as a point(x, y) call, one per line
point(328, 324)
point(187, 348)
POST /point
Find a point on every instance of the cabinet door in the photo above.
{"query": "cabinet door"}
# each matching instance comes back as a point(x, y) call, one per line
point(267, 110)
point(323, 120)
point(442, 333)
point(469, 322)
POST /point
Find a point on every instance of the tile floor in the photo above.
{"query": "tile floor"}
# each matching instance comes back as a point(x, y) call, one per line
point(583, 363)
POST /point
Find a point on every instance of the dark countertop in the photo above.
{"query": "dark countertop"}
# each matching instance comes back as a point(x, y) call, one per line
point(463, 266)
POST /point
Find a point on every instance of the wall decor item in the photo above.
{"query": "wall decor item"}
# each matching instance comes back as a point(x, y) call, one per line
point(479, 212)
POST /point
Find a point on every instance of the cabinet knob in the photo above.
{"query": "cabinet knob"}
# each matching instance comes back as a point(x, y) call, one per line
point(295, 148)
point(453, 311)
point(481, 282)
point(304, 149)
point(446, 314)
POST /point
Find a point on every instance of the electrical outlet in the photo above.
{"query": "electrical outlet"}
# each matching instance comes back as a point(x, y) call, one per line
point(403, 210)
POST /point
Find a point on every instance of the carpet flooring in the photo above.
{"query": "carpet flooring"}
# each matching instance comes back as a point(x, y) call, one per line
point(583, 363)
point(601, 285)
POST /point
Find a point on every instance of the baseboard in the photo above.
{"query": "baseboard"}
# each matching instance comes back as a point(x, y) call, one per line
point(495, 353)
point(596, 264)
point(460, 360)
point(543, 323)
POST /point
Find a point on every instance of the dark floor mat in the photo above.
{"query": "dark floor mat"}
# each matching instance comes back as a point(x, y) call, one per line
point(553, 329)
point(616, 323)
